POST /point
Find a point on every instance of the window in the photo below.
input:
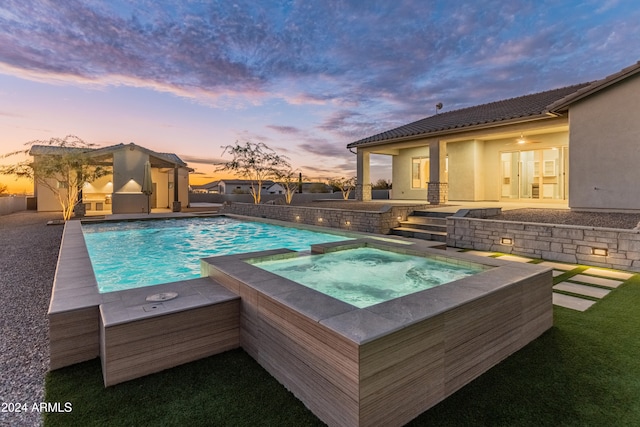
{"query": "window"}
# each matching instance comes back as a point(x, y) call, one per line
point(419, 172)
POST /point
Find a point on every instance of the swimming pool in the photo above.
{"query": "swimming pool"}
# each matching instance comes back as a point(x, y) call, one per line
point(131, 254)
point(366, 276)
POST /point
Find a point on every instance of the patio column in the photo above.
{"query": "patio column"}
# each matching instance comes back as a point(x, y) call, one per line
point(176, 207)
point(363, 183)
point(438, 188)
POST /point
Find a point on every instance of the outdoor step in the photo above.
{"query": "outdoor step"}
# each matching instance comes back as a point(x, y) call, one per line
point(432, 214)
point(439, 236)
point(423, 225)
point(427, 220)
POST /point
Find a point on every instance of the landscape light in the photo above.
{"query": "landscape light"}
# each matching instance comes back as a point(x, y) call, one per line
point(506, 241)
point(599, 251)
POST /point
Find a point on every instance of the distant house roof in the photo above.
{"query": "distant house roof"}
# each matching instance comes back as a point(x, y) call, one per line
point(208, 185)
point(513, 109)
point(170, 158)
point(244, 182)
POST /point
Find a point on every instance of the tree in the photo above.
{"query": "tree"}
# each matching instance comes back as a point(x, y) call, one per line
point(288, 179)
point(345, 185)
point(254, 161)
point(64, 171)
point(4, 190)
point(381, 184)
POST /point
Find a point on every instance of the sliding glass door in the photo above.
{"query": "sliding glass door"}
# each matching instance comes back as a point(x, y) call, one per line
point(534, 174)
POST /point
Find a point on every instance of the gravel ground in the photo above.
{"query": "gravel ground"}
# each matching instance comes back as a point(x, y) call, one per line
point(27, 266)
point(563, 216)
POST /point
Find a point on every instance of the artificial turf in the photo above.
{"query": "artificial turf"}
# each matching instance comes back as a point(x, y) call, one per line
point(585, 371)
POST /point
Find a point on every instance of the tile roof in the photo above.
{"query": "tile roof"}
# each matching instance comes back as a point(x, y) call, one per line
point(596, 86)
point(522, 107)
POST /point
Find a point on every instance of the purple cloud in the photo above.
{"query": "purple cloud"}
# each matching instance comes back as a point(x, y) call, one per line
point(372, 65)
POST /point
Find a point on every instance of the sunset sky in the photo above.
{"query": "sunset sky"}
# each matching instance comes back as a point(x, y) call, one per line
point(305, 77)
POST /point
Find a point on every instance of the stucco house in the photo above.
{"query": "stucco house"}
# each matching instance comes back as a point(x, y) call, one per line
point(577, 145)
point(241, 186)
point(121, 191)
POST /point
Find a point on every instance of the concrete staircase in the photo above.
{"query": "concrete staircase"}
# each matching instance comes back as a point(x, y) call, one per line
point(426, 225)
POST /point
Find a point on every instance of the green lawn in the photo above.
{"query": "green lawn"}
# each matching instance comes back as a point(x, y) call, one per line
point(585, 371)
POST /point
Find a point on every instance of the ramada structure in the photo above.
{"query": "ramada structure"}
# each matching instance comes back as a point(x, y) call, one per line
point(576, 145)
point(121, 191)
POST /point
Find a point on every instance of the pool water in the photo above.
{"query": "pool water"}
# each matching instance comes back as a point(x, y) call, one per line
point(132, 254)
point(366, 276)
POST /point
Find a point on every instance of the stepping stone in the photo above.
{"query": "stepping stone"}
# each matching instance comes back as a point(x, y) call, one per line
point(573, 303)
point(480, 253)
point(576, 288)
point(514, 258)
point(608, 273)
point(609, 283)
point(556, 273)
point(558, 265)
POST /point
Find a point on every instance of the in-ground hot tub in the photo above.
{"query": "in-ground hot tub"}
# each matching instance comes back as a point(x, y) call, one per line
point(386, 363)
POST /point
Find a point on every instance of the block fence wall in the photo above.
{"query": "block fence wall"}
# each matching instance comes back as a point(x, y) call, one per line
point(369, 222)
point(564, 243)
point(12, 204)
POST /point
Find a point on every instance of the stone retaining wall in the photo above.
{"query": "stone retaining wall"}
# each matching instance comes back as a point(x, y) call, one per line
point(565, 243)
point(369, 222)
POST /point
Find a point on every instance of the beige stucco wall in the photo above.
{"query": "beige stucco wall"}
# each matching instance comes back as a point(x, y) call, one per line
point(47, 200)
point(604, 155)
point(401, 178)
point(466, 170)
point(128, 174)
point(183, 187)
point(161, 195)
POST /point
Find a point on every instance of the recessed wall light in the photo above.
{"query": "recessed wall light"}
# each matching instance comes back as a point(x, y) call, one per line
point(506, 241)
point(599, 251)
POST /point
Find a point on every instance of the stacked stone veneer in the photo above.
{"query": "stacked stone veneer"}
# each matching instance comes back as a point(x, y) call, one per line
point(565, 243)
point(437, 193)
point(365, 221)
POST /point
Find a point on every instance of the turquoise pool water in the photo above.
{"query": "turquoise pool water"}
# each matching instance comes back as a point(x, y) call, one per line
point(132, 254)
point(366, 276)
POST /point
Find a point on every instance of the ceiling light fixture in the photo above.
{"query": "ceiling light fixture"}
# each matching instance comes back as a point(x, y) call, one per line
point(521, 140)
